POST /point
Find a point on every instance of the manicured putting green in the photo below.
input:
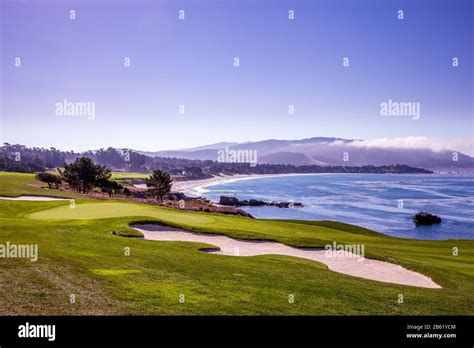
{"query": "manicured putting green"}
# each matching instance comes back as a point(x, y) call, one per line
point(92, 211)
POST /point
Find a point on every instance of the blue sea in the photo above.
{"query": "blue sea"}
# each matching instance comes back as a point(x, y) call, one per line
point(382, 202)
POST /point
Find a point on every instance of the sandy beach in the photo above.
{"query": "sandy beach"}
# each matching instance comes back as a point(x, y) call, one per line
point(194, 187)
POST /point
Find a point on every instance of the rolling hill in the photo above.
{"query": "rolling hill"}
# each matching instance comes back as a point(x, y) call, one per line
point(326, 151)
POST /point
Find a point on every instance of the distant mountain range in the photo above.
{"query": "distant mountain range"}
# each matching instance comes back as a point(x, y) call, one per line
point(326, 151)
point(20, 158)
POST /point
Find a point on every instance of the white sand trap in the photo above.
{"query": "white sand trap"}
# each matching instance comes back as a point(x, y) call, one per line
point(349, 264)
point(34, 198)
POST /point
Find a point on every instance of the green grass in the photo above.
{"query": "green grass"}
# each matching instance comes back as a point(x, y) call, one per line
point(20, 184)
point(129, 175)
point(78, 254)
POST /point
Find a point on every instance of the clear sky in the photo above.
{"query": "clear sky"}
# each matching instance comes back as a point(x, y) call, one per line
point(190, 62)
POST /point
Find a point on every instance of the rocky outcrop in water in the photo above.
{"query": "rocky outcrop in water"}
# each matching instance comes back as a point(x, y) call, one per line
point(235, 202)
point(423, 218)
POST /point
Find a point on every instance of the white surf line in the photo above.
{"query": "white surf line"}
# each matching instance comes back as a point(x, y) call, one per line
point(352, 264)
point(34, 198)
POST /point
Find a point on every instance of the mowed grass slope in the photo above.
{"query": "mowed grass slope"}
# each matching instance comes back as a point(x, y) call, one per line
point(79, 255)
point(129, 175)
point(21, 184)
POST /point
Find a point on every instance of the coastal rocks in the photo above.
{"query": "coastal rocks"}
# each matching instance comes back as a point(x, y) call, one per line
point(286, 204)
point(139, 194)
point(423, 218)
point(226, 200)
point(179, 200)
point(235, 202)
point(176, 196)
point(230, 211)
point(205, 206)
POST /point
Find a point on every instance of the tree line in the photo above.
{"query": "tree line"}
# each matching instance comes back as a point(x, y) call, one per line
point(18, 158)
point(83, 175)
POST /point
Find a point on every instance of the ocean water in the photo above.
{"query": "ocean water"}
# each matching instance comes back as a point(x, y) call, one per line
point(368, 200)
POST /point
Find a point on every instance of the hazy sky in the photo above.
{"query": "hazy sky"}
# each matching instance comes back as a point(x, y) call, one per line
point(189, 62)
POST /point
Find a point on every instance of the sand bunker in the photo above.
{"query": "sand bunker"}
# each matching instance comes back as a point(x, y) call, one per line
point(349, 264)
point(34, 198)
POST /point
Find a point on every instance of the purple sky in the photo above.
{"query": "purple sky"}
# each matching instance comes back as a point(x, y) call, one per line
point(190, 62)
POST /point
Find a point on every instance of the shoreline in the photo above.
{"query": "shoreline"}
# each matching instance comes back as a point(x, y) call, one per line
point(195, 187)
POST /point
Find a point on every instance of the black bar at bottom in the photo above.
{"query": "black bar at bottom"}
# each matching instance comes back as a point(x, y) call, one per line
point(419, 330)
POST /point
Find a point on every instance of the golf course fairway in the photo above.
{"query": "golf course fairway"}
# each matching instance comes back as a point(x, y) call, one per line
point(84, 251)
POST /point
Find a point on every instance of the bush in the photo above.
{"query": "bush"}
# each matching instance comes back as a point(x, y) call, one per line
point(50, 179)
